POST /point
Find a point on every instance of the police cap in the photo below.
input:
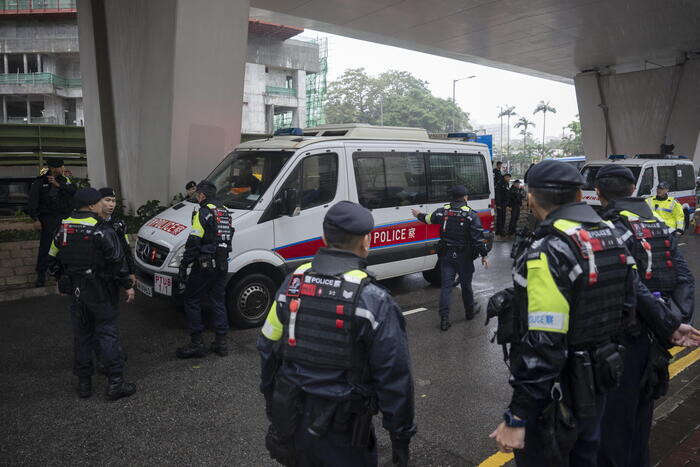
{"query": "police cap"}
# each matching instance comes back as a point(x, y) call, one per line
point(349, 217)
point(663, 186)
point(613, 170)
point(553, 174)
point(107, 192)
point(207, 188)
point(54, 162)
point(86, 197)
point(458, 191)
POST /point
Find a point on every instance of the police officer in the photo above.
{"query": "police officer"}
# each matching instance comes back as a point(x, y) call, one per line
point(502, 201)
point(516, 196)
point(206, 251)
point(50, 199)
point(109, 203)
point(461, 241)
point(627, 421)
point(668, 208)
point(334, 351)
point(88, 262)
point(191, 192)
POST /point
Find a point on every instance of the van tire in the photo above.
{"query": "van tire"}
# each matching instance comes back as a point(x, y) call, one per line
point(433, 276)
point(249, 299)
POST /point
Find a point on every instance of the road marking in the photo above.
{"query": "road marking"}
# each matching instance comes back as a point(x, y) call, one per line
point(674, 369)
point(416, 310)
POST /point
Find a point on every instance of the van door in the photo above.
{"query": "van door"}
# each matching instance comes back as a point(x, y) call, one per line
point(646, 182)
point(300, 204)
point(390, 181)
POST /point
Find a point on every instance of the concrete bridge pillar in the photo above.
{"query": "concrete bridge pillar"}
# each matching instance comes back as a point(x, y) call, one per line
point(634, 113)
point(163, 88)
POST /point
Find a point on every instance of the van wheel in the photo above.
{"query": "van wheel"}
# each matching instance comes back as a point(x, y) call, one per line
point(433, 276)
point(249, 299)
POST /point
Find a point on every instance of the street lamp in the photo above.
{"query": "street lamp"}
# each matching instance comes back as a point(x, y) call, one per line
point(454, 84)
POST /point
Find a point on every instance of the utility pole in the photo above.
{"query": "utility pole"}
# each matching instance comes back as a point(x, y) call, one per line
point(454, 87)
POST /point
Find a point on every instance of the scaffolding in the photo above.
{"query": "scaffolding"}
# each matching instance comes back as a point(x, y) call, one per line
point(316, 87)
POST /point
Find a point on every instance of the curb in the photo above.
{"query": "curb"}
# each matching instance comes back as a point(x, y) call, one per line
point(19, 294)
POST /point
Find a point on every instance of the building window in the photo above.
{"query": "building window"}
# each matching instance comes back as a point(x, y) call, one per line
point(290, 82)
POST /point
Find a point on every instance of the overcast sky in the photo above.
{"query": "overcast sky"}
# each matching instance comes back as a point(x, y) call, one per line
point(480, 96)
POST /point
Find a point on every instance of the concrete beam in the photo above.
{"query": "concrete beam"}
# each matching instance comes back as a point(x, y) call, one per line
point(290, 54)
point(174, 85)
point(634, 113)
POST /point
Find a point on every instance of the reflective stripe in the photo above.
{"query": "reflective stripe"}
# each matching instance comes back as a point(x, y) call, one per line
point(631, 261)
point(197, 229)
point(85, 221)
point(625, 236)
point(354, 276)
point(366, 314)
point(575, 272)
point(520, 280)
point(282, 298)
point(547, 308)
point(53, 251)
point(303, 268)
point(427, 218)
point(273, 327)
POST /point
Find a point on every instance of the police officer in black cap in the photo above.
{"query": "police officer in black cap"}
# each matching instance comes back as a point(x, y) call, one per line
point(461, 242)
point(50, 198)
point(661, 267)
point(88, 261)
point(206, 251)
point(109, 203)
point(334, 352)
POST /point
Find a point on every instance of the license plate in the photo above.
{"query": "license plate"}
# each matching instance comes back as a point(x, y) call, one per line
point(144, 289)
point(163, 284)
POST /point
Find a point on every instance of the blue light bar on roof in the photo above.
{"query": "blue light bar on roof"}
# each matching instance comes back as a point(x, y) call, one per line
point(467, 136)
point(613, 157)
point(289, 132)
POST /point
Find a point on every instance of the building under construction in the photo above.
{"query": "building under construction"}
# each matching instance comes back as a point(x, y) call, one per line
point(285, 78)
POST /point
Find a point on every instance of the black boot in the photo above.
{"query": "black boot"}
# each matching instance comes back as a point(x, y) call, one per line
point(84, 387)
point(195, 349)
point(469, 313)
point(219, 345)
point(40, 279)
point(445, 323)
point(118, 388)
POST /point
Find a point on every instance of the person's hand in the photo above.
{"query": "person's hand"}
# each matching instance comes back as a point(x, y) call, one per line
point(508, 438)
point(130, 295)
point(399, 453)
point(52, 180)
point(37, 225)
point(133, 278)
point(485, 262)
point(686, 336)
point(415, 212)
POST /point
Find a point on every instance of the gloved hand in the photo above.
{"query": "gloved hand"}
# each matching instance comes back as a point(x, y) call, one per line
point(182, 277)
point(399, 452)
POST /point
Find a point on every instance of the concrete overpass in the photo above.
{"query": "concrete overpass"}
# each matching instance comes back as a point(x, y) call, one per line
point(163, 79)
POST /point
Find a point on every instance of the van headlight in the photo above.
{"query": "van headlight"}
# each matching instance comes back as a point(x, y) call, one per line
point(177, 257)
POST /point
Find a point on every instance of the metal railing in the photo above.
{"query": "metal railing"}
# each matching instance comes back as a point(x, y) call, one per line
point(281, 91)
point(40, 78)
point(10, 7)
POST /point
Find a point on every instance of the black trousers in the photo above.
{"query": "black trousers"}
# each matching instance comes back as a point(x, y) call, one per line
point(334, 449)
point(627, 421)
point(584, 452)
point(203, 283)
point(500, 219)
point(453, 263)
point(514, 216)
point(95, 325)
point(49, 227)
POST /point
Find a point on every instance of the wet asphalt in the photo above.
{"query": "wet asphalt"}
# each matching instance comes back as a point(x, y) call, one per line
point(209, 411)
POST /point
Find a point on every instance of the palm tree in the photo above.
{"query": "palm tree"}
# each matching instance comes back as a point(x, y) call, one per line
point(508, 112)
point(524, 123)
point(544, 107)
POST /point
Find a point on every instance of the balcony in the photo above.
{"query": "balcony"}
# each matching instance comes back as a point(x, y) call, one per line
point(41, 83)
point(28, 7)
point(280, 91)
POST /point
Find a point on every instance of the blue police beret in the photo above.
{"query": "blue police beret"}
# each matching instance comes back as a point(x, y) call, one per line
point(614, 170)
point(350, 217)
point(663, 186)
point(553, 174)
point(458, 191)
point(86, 197)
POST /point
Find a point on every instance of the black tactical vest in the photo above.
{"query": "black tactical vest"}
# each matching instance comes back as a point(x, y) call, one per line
point(224, 227)
point(455, 226)
point(319, 322)
point(75, 241)
point(651, 251)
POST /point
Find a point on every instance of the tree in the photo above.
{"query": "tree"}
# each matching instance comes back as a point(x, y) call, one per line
point(508, 112)
point(524, 123)
point(544, 107)
point(572, 144)
point(394, 98)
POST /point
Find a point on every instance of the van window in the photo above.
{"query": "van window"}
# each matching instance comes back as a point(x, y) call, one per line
point(686, 180)
point(315, 179)
point(387, 179)
point(448, 170)
point(647, 182)
point(667, 173)
point(590, 172)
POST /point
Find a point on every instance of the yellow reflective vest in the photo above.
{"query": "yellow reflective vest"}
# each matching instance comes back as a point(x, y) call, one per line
point(669, 210)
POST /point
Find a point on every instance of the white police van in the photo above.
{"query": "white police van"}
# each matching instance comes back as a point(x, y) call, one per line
point(279, 189)
point(649, 170)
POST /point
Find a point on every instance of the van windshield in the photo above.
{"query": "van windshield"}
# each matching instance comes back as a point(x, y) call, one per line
point(590, 172)
point(243, 176)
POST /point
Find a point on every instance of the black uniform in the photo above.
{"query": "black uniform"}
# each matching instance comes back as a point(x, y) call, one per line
point(334, 351)
point(501, 192)
point(120, 229)
point(516, 196)
point(461, 241)
point(207, 249)
point(88, 261)
point(49, 204)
